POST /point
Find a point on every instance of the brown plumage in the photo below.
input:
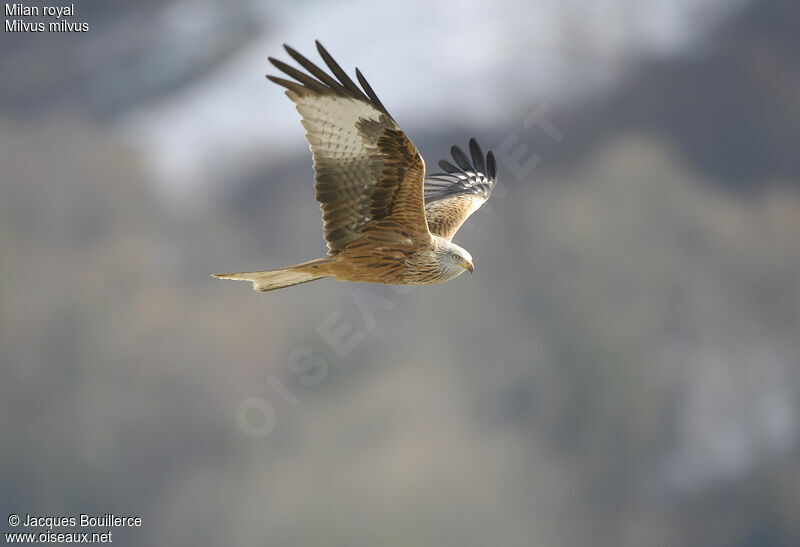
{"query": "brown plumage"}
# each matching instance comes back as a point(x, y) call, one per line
point(383, 221)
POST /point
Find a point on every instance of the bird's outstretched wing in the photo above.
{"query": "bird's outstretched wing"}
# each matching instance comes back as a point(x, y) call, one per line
point(451, 197)
point(368, 174)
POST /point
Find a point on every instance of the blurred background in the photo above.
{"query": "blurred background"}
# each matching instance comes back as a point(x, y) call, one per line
point(623, 368)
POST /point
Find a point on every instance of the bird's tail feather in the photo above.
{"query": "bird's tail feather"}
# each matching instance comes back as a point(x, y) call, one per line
point(285, 277)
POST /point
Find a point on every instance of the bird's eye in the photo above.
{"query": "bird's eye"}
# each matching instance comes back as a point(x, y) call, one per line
point(455, 256)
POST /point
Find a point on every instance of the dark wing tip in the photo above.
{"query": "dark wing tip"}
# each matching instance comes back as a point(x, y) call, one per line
point(478, 163)
point(346, 81)
point(491, 166)
point(477, 155)
point(288, 84)
point(321, 49)
point(461, 158)
point(317, 79)
point(290, 50)
point(370, 93)
point(448, 167)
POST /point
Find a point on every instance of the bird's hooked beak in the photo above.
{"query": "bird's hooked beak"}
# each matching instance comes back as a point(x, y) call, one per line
point(467, 265)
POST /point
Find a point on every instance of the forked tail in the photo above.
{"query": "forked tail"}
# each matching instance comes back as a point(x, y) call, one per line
point(285, 277)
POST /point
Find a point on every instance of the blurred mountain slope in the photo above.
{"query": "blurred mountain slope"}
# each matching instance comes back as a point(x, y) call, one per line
point(729, 105)
point(627, 346)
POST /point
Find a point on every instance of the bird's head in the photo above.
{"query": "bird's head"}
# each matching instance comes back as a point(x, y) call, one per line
point(454, 259)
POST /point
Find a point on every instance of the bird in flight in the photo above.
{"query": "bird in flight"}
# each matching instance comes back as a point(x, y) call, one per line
point(384, 221)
